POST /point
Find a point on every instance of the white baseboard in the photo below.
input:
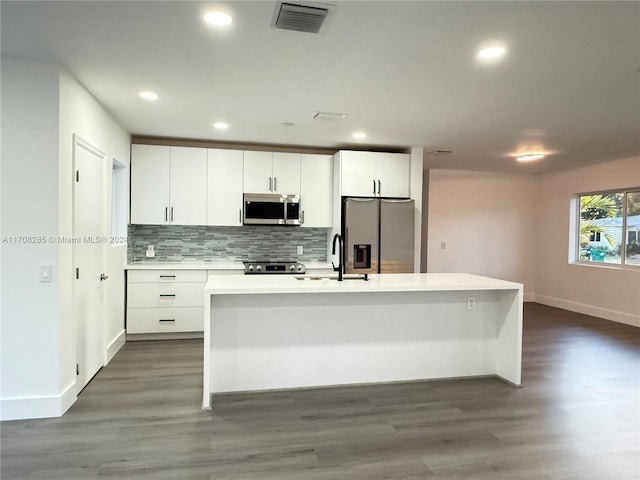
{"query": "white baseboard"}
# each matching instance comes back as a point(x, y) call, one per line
point(134, 337)
point(38, 407)
point(116, 345)
point(613, 315)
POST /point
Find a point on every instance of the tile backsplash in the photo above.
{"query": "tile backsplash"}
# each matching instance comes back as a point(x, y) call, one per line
point(182, 243)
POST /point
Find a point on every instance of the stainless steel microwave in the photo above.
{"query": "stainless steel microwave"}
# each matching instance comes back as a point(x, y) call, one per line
point(271, 209)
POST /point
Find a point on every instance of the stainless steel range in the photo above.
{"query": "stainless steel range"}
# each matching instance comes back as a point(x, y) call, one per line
point(269, 267)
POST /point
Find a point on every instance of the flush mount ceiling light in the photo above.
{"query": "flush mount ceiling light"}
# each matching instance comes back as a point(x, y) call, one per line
point(288, 124)
point(150, 96)
point(529, 157)
point(220, 126)
point(217, 18)
point(359, 135)
point(491, 53)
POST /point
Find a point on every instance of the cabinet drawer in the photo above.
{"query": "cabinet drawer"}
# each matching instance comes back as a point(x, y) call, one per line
point(165, 320)
point(166, 276)
point(147, 295)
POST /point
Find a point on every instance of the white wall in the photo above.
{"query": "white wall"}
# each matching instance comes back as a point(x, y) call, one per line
point(487, 221)
point(608, 292)
point(81, 114)
point(30, 309)
point(415, 193)
point(41, 109)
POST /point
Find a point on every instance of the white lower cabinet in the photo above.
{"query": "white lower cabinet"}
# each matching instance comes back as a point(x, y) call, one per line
point(165, 301)
point(165, 320)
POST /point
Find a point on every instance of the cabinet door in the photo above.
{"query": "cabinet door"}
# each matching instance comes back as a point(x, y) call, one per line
point(150, 167)
point(286, 173)
point(188, 192)
point(358, 173)
point(316, 190)
point(224, 187)
point(393, 171)
point(257, 175)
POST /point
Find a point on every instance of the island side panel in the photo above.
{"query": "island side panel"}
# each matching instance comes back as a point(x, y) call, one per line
point(509, 336)
point(261, 342)
point(206, 369)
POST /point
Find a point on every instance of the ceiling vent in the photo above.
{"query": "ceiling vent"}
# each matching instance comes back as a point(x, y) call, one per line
point(439, 152)
point(301, 16)
point(329, 116)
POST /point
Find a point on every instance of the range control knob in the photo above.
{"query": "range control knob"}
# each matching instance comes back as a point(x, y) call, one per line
point(258, 268)
point(299, 267)
point(250, 268)
point(292, 267)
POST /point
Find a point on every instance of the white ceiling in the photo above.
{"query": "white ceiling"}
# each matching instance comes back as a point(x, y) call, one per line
point(405, 73)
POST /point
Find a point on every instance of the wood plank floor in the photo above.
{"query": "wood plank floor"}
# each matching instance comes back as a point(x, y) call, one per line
point(576, 417)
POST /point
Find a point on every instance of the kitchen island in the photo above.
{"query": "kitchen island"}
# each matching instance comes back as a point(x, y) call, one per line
point(285, 332)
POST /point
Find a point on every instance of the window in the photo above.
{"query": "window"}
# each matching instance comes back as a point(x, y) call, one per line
point(609, 227)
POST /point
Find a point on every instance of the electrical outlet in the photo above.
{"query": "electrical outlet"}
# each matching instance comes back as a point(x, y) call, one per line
point(471, 303)
point(300, 249)
point(150, 252)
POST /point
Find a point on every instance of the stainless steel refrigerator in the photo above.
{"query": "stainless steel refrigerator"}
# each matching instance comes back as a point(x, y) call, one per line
point(378, 235)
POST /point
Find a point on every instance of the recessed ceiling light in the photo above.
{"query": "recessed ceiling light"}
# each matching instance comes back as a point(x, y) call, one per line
point(217, 18)
point(151, 96)
point(491, 53)
point(530, 157)
point(359, 135)
point(220, 126)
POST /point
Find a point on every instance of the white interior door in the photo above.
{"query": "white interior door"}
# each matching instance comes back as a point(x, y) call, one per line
point(88, 259)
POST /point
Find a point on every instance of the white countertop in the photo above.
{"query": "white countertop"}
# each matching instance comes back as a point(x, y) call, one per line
point(185, 266)
point(403, 282)
point(208, 266)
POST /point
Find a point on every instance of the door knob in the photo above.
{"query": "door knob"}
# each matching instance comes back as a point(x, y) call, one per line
point(103, 277)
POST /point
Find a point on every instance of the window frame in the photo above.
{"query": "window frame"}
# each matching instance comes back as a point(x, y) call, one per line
point(623, 237)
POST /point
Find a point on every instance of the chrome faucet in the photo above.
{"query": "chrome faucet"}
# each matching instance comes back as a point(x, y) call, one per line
point(340, 266)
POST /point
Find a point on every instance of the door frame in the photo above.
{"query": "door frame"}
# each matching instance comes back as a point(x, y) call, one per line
point(81, 142)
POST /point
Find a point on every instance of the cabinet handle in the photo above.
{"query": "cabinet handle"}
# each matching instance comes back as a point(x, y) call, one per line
point(270, 185)
point(275, 184)
point(167, 294)
point(374, 187)
point(379, 190)
point(166, 214)
point(171, 214)
point(240, 215)
point(167, 276)
point(167, 320)
point(301, 217)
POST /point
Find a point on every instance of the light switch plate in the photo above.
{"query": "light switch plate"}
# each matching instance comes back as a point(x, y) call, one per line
point(46, 272)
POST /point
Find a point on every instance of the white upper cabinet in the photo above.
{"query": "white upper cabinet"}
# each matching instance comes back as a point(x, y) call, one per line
point(379, 174)
point(150, 171)
point(188, 186)
point(267, 172)
point(316, 190)
point(286, 173)
point(224, 187)
point(258, 168)
point(168, 185)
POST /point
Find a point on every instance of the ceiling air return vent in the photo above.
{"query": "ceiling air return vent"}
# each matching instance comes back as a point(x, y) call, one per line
point(301, 16)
